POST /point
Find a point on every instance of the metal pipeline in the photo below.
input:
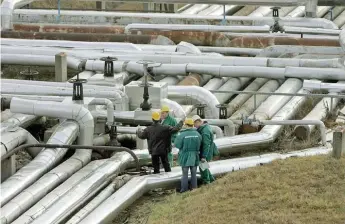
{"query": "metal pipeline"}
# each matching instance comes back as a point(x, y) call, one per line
point(108, 104)
point(65, 133)
point(17, 120)
point(93, 37)
point(7, 7)
point(342, 39)
point(175, 108)
point(94, 203)
point(16, 137)
point(137, 186)
point(277, 50)
point(122, 18)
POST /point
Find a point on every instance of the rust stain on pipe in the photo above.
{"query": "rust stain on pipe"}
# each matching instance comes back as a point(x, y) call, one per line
point(215, 39)
point(191, 80)
point(91, 37)
point(263, 42)
point(68, 28)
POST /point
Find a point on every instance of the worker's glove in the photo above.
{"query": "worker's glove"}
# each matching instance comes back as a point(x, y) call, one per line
point(203, 160)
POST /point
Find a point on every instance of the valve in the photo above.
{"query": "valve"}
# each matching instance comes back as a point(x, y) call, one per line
point(200, 110)
point(145, 105)
point(77, 88)
point(113, 135)
point(276, 27)
point(108, 66)
point(223, 112)
point(29, 74)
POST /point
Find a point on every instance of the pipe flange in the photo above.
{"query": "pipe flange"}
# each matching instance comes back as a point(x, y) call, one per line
point(108, 59)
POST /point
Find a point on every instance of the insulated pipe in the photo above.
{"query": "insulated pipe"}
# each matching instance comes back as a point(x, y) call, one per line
point(94, 203)
point(253, 102)
point(340, 20)
point(318, 123)
point(319, 112)
point(231, 84)
point(6, 114)
point(16, 137)
point(58, 91)
point(37, 209)
point(176, 108)
point(229, 125)
point(303, 30)
point(7, 7)
point(65, 133)
point(101, 140)
point(240, 99)
point(199, 94)
point(8, 97)
point(273, 103)
point(52, 109)
point(266, 136)
point(138, 39)
point(109, 105)
point(204, 28)
point(122, 18)
point(217, 131)
point(342, 39)
point(66, 203)
point(17, 120)
point(319, 85)
point(277, 50)
point(59, 84)
point(137, 186)
point(24, 59)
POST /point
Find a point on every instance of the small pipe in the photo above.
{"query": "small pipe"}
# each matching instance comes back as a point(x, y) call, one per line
point(106, 148)
point(110, 108)
point(224, 122)
point(318, 123)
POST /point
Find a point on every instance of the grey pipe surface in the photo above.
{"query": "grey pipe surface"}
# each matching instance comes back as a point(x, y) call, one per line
point(230, 127)
point(136, 187)
point(318, 123)
point(277, 50)
point(110, 108)
point(65, 133)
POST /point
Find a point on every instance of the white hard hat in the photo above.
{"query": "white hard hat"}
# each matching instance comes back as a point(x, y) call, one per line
point(196, 117)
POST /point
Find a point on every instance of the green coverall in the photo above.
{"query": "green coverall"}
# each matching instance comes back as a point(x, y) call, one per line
point(169, 120)
point(188, 141)
point(208, 150)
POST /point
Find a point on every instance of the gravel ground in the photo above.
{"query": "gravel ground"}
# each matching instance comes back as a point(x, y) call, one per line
point(22, 159)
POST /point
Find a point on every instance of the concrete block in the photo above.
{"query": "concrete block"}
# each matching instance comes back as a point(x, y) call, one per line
point(61, 67)
point(338, 143)
point(8, 167)
point(157, 91)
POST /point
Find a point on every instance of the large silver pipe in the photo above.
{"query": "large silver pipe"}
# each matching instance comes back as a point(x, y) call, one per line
point(199, 94)
point(52, 109)
point(136, 187)
point(16, 137)
point(240, 99)
point(49, 16)
point(319, 112)
point(65, 133)
point(116, 164)
point(175, 108)
point(273, 103)
point(340, 20)
point(277, 50)
point(22, 59)
point(17, 120)
point(231, 84)
point(342, 39)
point(94, 203)
point(205, 28)
point(22, 89)
point(55, 194)
point(7, 7)
point(266, 136)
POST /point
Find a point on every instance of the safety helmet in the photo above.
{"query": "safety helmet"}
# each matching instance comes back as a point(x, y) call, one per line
point(189, 121)
point(196, 117)
point(156, 116)
point(165, 108)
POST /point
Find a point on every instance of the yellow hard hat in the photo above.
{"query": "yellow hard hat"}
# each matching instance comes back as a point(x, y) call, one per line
point(165, 108)
point(156, 116)
point(189, 121)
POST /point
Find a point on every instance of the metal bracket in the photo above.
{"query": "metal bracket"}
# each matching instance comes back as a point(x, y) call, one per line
point(276, 27)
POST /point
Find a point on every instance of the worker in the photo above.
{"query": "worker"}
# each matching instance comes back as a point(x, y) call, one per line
point(167, 119)
point(159, 141)
point(208, 147)
point(188, 141)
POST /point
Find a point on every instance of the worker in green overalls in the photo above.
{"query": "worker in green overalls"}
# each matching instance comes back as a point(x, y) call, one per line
point(208, 147)
point(167, 119)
